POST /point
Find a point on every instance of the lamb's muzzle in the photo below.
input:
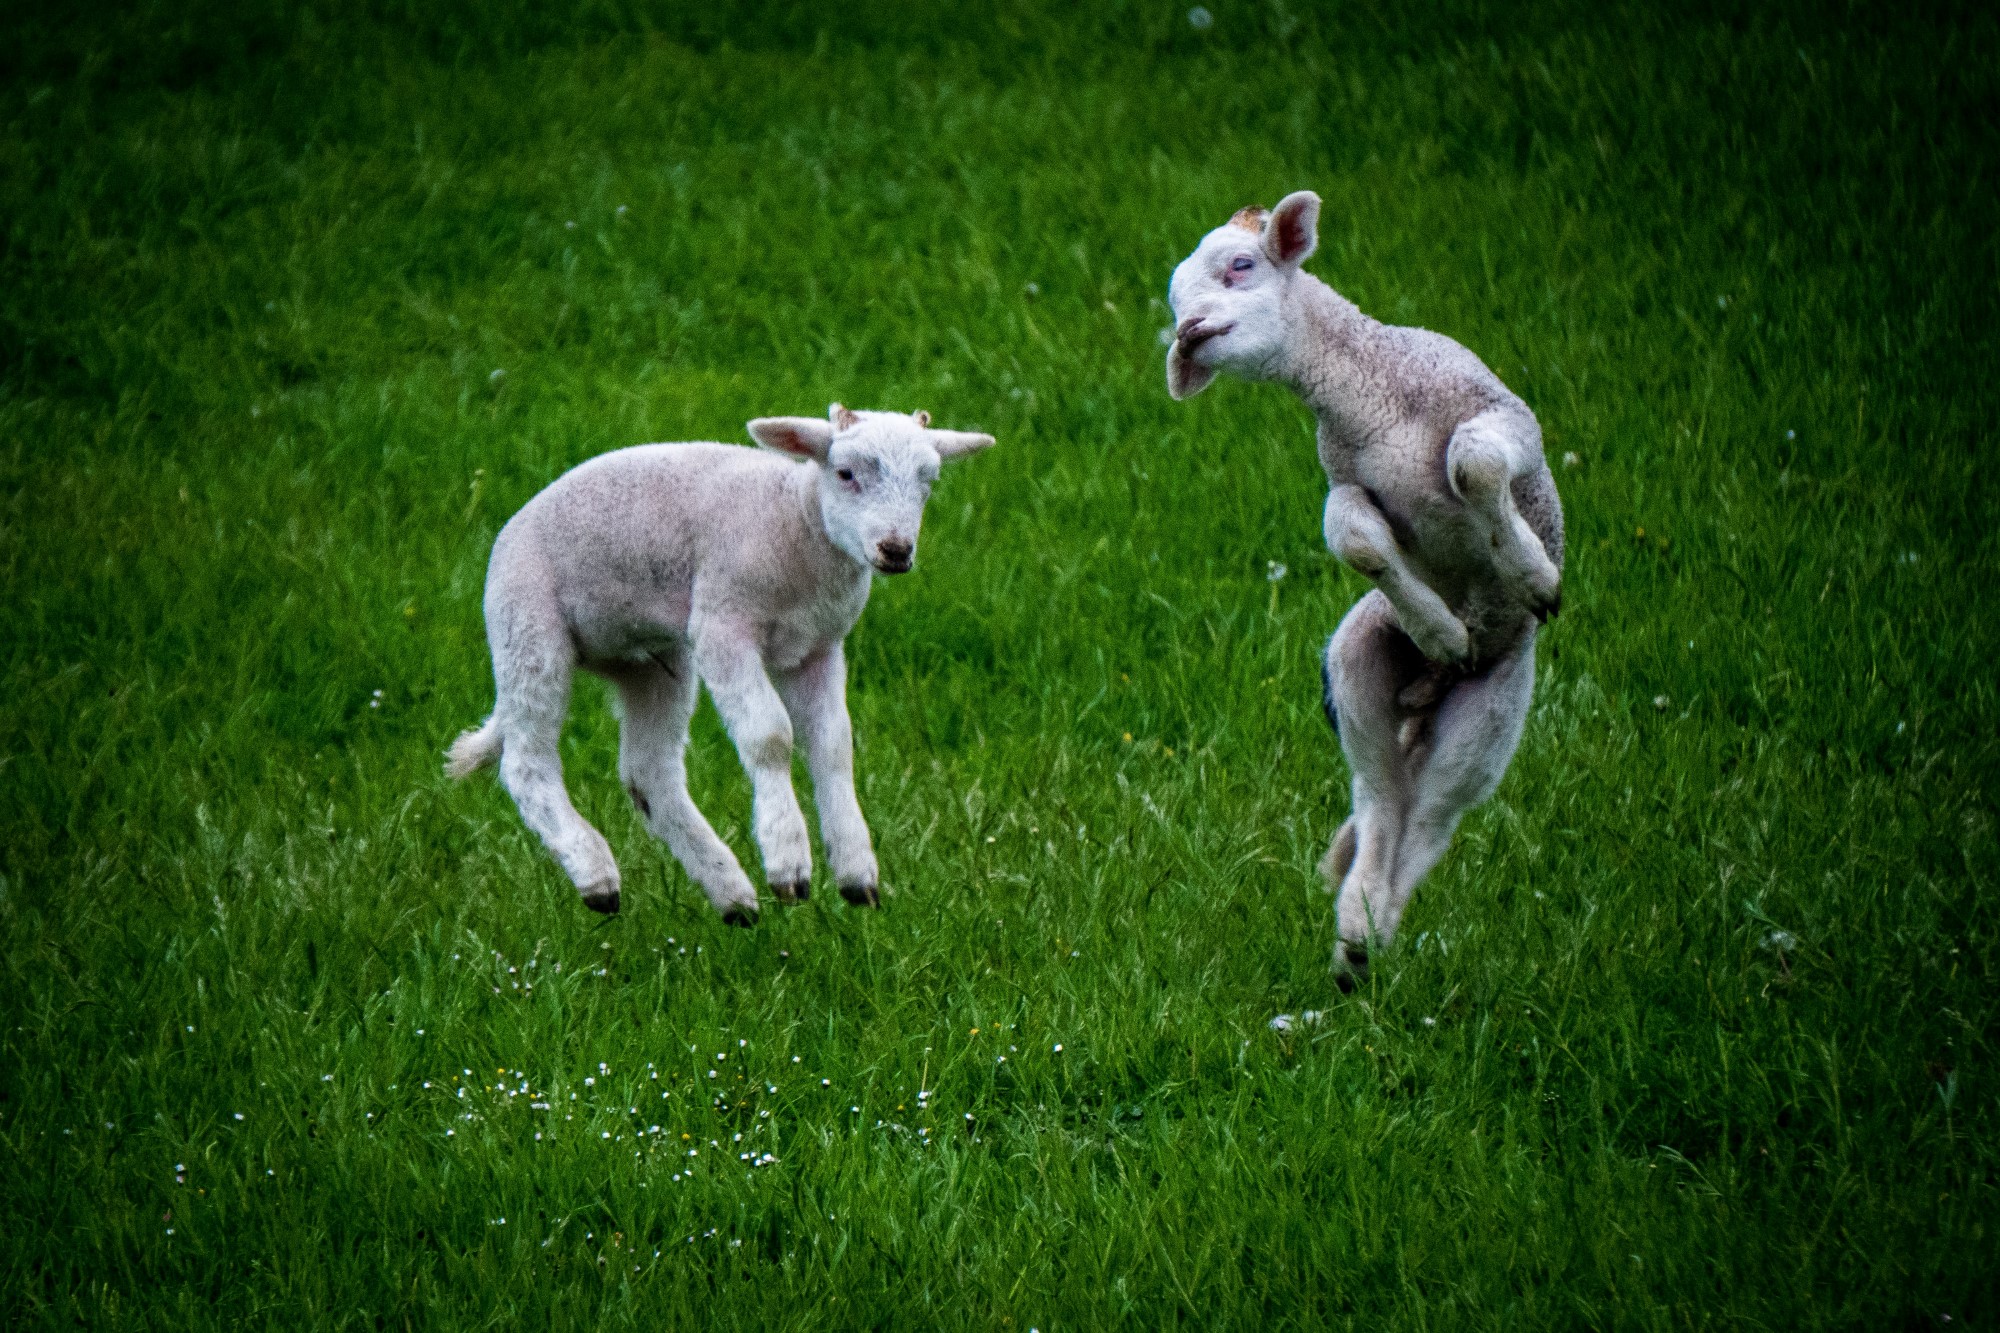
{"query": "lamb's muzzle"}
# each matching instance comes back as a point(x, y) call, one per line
point(893, 555)
point(1193, 332)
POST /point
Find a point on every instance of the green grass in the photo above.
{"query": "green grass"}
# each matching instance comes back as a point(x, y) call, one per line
point(260, 270)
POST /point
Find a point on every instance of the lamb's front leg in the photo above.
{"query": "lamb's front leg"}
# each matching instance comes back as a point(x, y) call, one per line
point(815, 693)
point(1483, 459)
point(1357, 532)
point(733, 669)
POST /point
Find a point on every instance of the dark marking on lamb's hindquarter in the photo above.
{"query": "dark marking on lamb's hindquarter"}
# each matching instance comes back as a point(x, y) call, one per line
point(1326, 693)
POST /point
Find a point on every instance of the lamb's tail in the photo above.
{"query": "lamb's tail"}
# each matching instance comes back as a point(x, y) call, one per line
point(473, 750)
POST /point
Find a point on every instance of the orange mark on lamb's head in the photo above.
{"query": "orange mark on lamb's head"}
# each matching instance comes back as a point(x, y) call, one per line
point(1250, 217)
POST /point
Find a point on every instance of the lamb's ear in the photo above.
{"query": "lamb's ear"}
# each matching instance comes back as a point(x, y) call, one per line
point(842, 418)
point(921, 417)
point(952, 444)
point(1292, 231)
point(801, 437)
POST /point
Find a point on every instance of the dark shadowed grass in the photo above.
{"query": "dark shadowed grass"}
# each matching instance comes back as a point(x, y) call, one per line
point(1694, 1027)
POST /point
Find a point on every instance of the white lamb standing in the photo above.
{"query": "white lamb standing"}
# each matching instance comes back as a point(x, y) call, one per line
point(1440, 494)
point(661, 564)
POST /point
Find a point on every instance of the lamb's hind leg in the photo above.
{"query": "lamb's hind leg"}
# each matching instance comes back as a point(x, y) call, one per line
point(533, 662)
point(1482, 461)
point(657, 703)
point(1339, 858)
point(1471, 740)
point(1368, 663)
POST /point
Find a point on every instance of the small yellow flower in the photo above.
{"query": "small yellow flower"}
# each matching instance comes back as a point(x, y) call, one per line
point(975, 1032)
point(1128, 738)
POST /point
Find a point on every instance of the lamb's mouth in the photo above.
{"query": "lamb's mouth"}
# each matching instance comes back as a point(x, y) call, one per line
point(895, 567)
point(1192, 333)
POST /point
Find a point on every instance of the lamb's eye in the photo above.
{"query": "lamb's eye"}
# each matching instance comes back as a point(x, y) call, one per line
point(846, 474)
point(1242, 264)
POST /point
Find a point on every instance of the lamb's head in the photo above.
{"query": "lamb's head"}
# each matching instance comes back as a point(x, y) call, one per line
point(875, 470)
point(1230, 297)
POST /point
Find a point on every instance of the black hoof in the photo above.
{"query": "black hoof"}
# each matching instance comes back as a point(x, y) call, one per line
point(745, 917)
point(1350, 967)
point(861, 895)
point(605, 902)
point(795, 892)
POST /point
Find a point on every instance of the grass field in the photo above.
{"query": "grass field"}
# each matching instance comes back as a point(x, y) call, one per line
point(1695, 1027)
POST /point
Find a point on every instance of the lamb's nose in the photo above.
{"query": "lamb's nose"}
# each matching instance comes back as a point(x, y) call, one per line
point(894, 551)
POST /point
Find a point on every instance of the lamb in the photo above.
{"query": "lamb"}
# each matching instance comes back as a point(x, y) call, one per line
point(1441, 496)
point(657, 565)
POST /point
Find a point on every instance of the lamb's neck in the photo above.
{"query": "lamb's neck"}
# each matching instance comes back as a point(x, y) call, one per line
point(1331, 356)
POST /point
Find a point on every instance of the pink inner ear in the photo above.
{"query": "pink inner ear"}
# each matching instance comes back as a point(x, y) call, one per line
point(1291, 237)
point(801, 437)
point(1291, 233)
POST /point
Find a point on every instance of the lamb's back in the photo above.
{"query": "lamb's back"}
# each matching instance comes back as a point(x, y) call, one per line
point(619, 539)
point(638, 502)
